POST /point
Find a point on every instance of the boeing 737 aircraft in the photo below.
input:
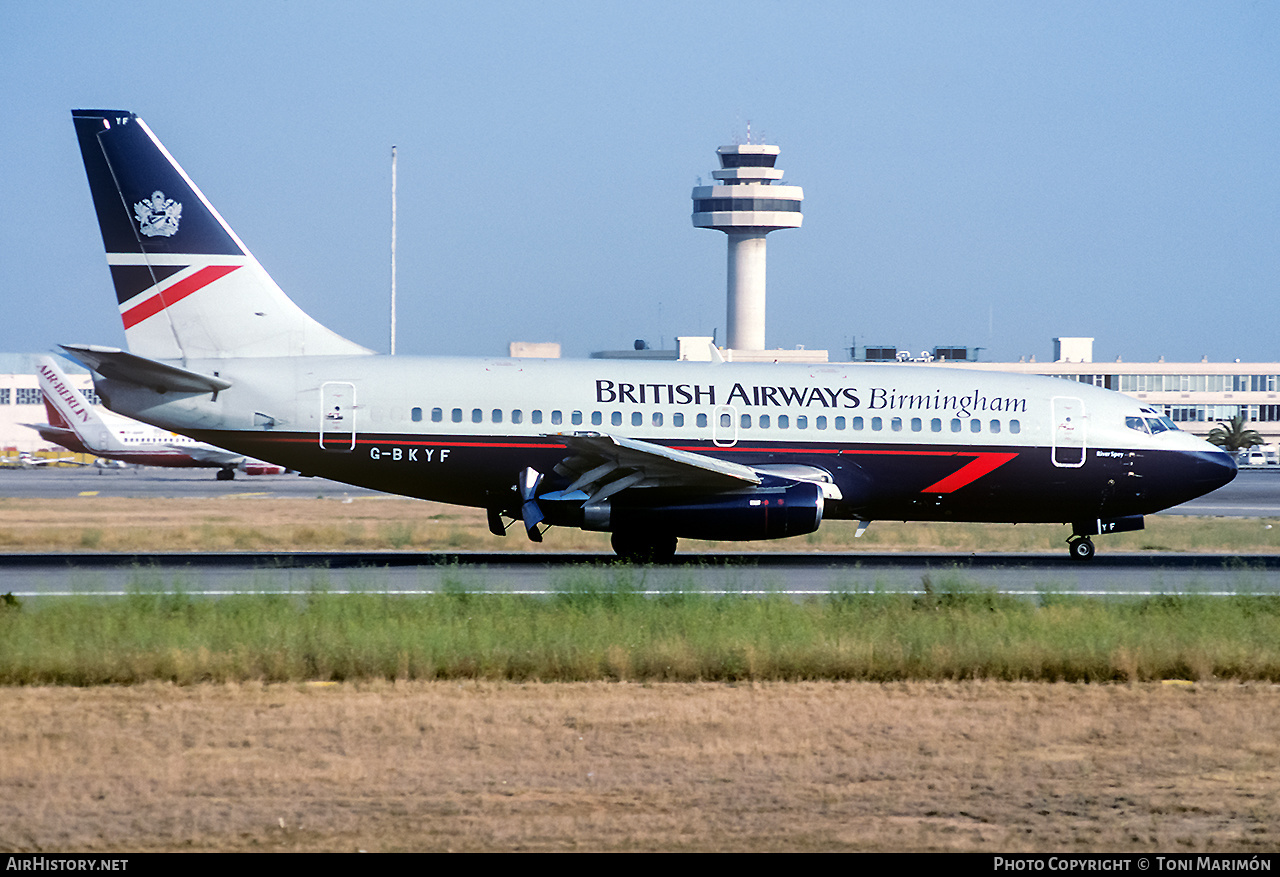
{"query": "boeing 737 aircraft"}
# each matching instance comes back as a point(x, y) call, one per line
point(78, 427)
point(649, 451)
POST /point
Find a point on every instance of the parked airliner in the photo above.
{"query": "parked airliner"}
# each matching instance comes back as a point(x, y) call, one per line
point(78, 427)
point(647, 451)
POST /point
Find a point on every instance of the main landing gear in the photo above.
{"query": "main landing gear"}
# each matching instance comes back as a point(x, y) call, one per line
point(1081, 547)
point(643, 547)
point(226, 474)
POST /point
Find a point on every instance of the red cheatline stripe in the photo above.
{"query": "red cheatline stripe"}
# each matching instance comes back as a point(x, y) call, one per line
point(175, 293)
point(982, 463)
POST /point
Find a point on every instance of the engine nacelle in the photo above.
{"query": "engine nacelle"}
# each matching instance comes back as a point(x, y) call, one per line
point(762, 513)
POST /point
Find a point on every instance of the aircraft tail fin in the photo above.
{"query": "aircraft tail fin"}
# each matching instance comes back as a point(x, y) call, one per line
point(68, 408)
point(187, 287)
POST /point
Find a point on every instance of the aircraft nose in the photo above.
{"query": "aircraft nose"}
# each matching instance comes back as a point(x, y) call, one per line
point(1189, 474)
point(1210, 470)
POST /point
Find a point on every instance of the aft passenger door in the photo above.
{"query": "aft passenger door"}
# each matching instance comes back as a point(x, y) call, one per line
point(337, 416)
point(1069, 439)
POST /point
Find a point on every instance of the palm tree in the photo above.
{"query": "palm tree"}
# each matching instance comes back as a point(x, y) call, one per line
point(1232, 436)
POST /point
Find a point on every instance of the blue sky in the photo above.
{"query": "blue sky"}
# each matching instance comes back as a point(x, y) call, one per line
point(986, 174)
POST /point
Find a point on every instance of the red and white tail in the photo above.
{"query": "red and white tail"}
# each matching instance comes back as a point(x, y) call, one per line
point(186, 285)
point(68, 408)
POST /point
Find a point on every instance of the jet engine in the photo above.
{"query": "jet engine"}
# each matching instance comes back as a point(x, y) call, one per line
point(773, 512)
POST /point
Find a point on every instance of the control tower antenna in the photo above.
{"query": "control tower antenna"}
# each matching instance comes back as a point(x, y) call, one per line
point(746, 205)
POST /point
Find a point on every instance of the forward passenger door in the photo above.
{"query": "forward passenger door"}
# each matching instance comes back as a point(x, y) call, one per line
point(1069, 432)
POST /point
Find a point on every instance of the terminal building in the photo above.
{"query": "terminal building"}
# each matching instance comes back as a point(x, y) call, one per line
point(21, 403)
point(1195, 395)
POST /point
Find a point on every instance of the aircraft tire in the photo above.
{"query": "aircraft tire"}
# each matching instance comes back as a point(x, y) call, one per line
point(226, 474)
point(643, 547)
point(1081, 548)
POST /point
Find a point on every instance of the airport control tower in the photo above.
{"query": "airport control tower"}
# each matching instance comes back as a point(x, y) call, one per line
point(747, 206)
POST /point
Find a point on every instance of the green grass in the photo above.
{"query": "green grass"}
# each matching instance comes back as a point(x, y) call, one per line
point(601, 626)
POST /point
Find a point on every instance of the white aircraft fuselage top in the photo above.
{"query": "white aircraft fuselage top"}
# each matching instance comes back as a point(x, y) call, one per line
point(898, 440)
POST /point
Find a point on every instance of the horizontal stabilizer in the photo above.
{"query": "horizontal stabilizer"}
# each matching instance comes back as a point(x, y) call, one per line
point(119, 365)
point(67, 438)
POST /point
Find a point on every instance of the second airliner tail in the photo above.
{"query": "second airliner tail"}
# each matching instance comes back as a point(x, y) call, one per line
point(68, 408)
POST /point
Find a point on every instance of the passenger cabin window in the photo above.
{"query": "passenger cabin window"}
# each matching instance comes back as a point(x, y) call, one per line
point(802, 422)
point(784, 422)
point(1015, 427)
point(535, 416)
point(517, 416)
point(702, 420)
point(415, 414)
point(477, 416)
point(497, 415)
point(576, 418)
point(677, 419)
point(436, 415)
point(456, 414)
point(877, 424)
point(764, 421)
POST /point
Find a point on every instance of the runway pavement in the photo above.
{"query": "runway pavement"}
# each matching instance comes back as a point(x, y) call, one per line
point(526, 573)
point(1254, 493)
point(154, 482)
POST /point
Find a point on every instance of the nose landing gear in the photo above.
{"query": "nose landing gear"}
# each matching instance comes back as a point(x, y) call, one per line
point(1081, 547)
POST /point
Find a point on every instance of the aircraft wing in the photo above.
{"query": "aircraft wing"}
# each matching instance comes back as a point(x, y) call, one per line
point(209, 454)
point(602, 465)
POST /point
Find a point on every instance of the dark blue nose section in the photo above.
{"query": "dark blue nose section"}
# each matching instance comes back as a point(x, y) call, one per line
point(1192, 474)
point(1213, 469)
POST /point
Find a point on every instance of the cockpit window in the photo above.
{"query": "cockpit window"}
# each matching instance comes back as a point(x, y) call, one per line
point(1136, 423)
point(1158, 425)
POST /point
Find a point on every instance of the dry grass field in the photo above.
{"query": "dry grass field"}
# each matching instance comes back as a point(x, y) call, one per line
point(615, 766)
point(471, 765)
point(259, 523)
